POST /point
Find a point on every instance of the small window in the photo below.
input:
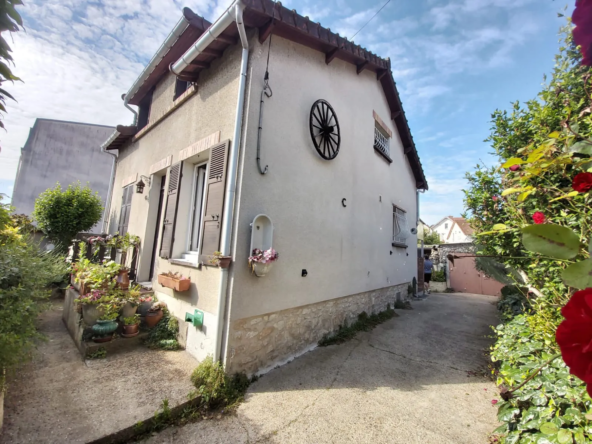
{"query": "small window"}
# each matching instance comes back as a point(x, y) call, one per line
point(446, 226)
point(180, 87)
point(382, 142)
point(399, 227)
point(199, 186)
point(126, 206)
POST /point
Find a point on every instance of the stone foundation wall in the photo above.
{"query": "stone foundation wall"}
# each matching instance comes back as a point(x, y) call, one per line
point(259, 343)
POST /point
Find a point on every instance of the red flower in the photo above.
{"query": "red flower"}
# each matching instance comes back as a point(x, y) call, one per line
point(494, 198)
point(582, 182)
point(514, 167)
point(538, 218)
point(582, 33)
point(493, 401)
point(574, 336)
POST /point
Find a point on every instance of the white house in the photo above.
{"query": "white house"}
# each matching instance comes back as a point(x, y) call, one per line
point(453, 230)
point(330, 181)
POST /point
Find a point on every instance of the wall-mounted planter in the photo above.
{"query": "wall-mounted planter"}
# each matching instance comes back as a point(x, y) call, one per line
point(175, 284)
point(260, 269)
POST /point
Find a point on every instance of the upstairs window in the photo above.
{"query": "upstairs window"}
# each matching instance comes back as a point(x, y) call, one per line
point(382, 137)
point(400, 229)
point(199, 186)
point(180, 87)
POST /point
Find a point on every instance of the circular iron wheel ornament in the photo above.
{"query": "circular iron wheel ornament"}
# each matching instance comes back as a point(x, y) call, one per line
point(324, 129)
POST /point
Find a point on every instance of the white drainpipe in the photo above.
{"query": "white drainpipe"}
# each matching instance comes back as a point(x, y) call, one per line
point(107, 209)
point(233, 13)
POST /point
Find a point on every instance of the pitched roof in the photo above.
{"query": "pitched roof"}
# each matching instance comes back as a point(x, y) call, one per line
point(463, 224)
point(273, 18)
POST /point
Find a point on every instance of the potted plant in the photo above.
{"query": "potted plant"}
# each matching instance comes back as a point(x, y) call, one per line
point(130, 301)
point(123, 243)
point(91, 308)
point(155, 314)
point(106, 323)
point(101, 276)
point(145, 303)
point(220, 261)
point(176, 281)
point(261, 261)
point(131, 325)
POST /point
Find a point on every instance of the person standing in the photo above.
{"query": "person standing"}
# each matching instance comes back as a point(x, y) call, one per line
point(428, 266)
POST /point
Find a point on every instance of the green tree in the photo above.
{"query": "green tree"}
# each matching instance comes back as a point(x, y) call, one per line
point(10, 20)
point(432, 239)
point(62, 214)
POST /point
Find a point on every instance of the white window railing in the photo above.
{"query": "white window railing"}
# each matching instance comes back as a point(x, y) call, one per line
point(381, 142)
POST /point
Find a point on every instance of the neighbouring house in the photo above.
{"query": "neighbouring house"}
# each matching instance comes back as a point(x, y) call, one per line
point(64, 152)
point(267, 130)
point(423, 229)
point(453, 230)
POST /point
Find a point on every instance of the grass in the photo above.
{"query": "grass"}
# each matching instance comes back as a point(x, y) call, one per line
point(363, 323)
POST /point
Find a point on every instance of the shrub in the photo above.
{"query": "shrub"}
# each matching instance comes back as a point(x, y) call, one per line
point(513, 301)
point(61, 215)
point(439, 276)
point(25, 276)
point(432, 239)
point(214, 387)
point(164, 335)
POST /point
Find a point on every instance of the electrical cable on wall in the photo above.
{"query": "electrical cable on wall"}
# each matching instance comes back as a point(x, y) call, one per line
point(268, 92)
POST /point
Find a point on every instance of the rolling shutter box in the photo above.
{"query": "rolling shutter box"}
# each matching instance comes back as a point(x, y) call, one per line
point(211, 229)
point(170, 213)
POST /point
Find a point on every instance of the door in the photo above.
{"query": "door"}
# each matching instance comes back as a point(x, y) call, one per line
point(465, 278)
point(157, 229)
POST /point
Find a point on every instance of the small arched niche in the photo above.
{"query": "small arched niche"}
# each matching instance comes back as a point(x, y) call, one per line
point(261, 233)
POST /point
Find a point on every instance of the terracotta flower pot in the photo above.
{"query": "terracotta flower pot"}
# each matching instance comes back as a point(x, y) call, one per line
point(175, 284)
point(129, 331)
point(224, 261)
point(153, 318)
point(122, 279)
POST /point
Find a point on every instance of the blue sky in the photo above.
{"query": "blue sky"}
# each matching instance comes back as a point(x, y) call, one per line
point(454, 62)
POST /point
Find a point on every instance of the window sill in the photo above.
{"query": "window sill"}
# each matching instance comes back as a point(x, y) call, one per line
point(184, 263)
point(399, 245)
point(387, 158)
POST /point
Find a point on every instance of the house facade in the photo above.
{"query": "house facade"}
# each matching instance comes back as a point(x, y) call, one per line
point(64, 152)
point(453, 230)
point(231, 164)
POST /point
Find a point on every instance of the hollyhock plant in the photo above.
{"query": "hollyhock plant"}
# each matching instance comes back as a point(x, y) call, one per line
point(582, 182)
point(538, 218)
point(582, 33)
point(574, 336)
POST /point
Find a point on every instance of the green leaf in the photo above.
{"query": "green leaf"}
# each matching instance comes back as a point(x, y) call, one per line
point(513, 161)
point(590, 246)
point(579, 436)
point(551, 240)
point(549, 428)
point(571, 194)
point(564, 436)
point(578, 275)
point(511, 191)
point(536, 154)
point(554, 135)
point(498, 227)
point(524, 195)
point(582, 147)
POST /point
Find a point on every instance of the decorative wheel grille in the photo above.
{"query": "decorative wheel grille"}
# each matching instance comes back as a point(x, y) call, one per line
point(324, 129)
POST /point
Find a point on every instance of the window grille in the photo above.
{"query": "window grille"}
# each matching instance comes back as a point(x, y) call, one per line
point(400, 229)
point(381, 142)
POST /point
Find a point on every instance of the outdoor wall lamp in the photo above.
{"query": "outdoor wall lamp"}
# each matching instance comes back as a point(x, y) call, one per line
point(140, 184)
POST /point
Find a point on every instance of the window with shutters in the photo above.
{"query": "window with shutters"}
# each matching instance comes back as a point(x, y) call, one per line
point(170, 213)
point(126, 206)
point(400, 229)
point(197, 207)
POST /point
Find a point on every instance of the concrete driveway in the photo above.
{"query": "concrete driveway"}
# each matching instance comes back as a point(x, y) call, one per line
point(411, 380)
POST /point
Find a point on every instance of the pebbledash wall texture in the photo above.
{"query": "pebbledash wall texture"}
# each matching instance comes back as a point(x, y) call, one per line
point(259, 343)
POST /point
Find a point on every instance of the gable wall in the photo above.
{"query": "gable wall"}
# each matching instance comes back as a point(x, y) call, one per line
point(344, 250)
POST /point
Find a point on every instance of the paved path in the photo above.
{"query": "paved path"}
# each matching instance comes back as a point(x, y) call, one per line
point(59, 399)
point(408, 381)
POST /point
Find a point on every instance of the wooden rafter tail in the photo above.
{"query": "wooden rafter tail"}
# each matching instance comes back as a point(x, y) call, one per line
point(227, 39)
point(362, 66)
point(266, 30)
point(213, 52)
point(200, 64)
point(381, 73)
point(329, 56)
